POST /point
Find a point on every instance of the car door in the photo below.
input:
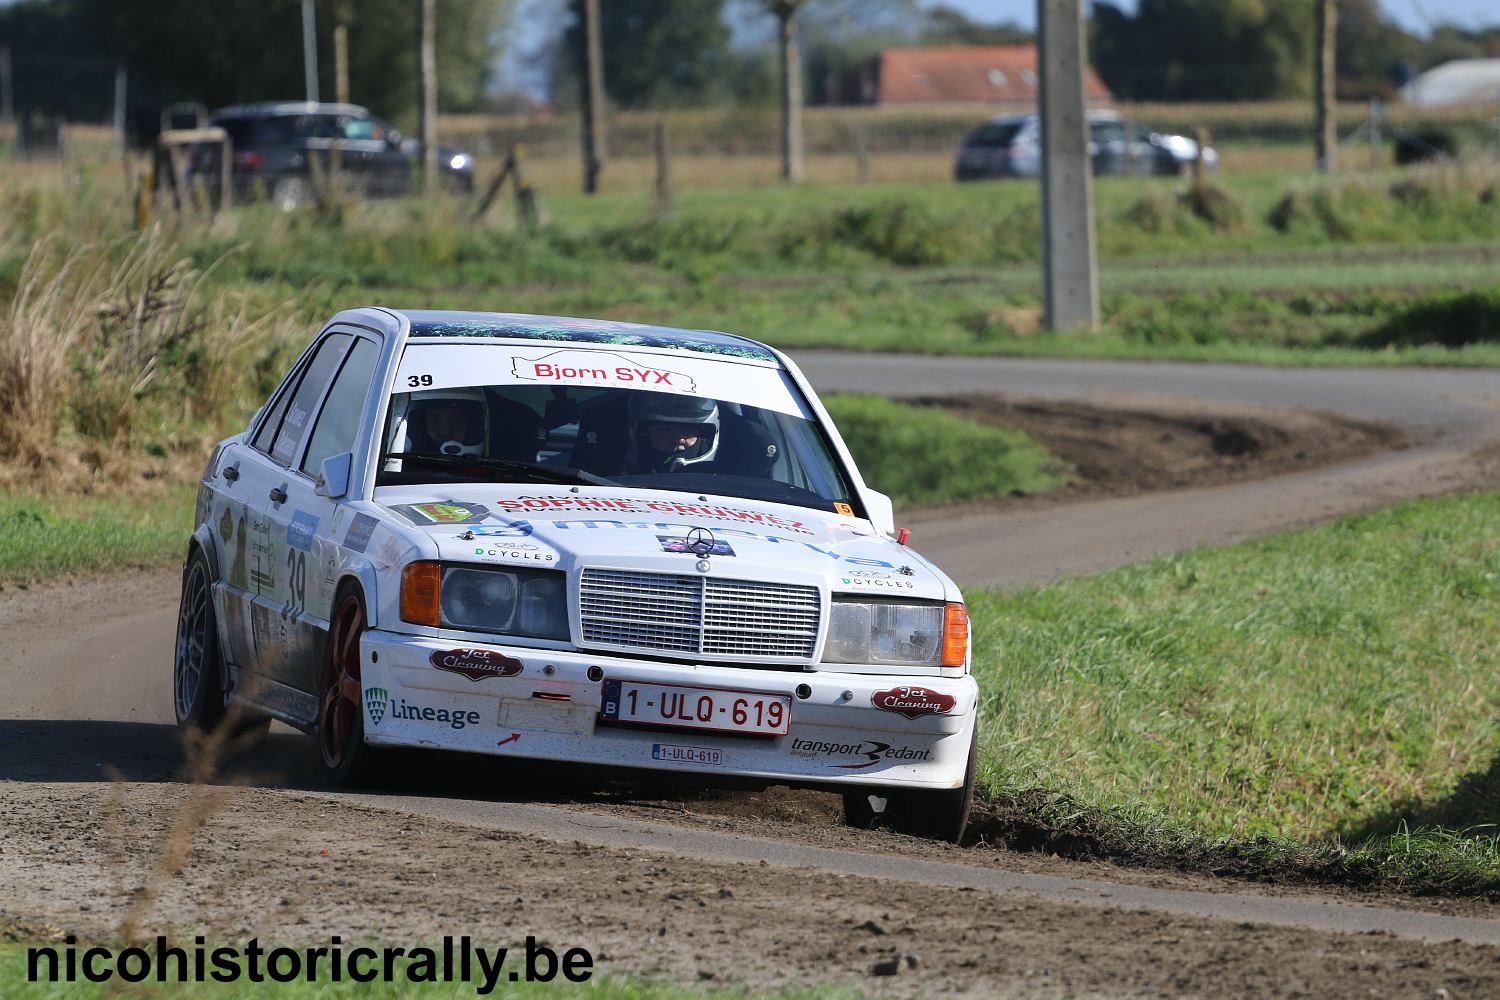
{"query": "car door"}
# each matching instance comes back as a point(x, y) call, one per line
point(301, 524)
point(266, 471)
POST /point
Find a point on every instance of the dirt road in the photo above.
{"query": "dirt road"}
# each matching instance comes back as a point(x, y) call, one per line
point(763, 889)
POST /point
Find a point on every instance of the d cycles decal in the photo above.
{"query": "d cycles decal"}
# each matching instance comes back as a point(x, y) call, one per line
point(873, 752)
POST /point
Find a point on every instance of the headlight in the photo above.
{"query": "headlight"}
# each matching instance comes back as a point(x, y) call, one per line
point(909, 635)
point(510, 602)
point(459, 161)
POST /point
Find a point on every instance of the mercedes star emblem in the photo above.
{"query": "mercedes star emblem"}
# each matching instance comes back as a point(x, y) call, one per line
point(700, 542)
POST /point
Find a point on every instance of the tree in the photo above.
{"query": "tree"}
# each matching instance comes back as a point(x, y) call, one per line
point(950, 26)
point(656, 52)
point(1370, 48)
point(233, 51)
point(1201, 50)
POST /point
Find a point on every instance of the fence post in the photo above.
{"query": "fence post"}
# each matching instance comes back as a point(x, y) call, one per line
point(1200, 174)
point(861, 155)
point(663, 170)
point(1375, 110)
point(528, 217)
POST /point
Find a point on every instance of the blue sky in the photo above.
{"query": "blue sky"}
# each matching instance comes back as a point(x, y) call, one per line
point(1416, 16)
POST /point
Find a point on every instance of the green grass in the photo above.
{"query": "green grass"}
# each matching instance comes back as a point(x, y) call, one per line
point(14, 986)
point(42, 538)
point(918, 455)
point(1329, 686)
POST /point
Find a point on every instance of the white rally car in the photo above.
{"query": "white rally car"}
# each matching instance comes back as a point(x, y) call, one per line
point(574, 540)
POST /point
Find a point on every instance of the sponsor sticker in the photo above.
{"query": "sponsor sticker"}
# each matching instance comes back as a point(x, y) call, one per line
point(913, 702)
point(300, 530)
point(379, 704)
point(443, 513)
point(475, 664)
point(600, 368)
point(628, 505)
point(678, 754)
point(670, 543)
point(375, 701)
point(358, 535)
point(881, 582)
point(839, 507)
point(868, 753)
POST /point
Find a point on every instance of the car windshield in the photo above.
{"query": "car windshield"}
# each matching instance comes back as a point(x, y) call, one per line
point(994, 134)
point(638, 418)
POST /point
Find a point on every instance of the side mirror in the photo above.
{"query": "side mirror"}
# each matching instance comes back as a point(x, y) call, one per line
point(333, 478)
point(882, 514)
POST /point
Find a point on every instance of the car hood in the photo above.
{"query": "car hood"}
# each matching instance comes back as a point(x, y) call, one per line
point(564, 527)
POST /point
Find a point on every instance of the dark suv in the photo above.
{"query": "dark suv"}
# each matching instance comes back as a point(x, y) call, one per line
point(275, 148)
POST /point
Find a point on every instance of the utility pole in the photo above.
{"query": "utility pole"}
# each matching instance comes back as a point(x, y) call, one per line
point(593, 97)
point(1327, 123)
point(310, 50)
point(120, 105)
point(7, 101)
point(791, 88)
point(1071, 273)
point(428, 62)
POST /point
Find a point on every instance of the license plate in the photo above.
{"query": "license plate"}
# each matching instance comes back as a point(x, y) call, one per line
point(754, 713)
point(687, 755)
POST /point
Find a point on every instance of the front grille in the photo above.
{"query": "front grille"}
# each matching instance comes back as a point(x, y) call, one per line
point(697, 615)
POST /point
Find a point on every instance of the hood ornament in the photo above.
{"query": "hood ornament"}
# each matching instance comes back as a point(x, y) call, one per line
point(700, 542)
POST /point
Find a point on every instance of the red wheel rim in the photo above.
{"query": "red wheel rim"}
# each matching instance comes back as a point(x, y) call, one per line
point(341, 685)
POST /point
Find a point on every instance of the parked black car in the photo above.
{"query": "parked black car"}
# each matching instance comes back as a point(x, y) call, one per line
point(276, 145)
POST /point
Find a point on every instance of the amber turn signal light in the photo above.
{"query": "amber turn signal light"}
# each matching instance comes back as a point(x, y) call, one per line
point(955, 635)
point(420, 583)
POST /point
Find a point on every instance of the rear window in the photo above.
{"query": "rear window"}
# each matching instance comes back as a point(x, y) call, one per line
point(994, 135)
point(275, 130)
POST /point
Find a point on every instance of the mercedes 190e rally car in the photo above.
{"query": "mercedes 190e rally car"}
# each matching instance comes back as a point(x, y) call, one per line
point(574, 540)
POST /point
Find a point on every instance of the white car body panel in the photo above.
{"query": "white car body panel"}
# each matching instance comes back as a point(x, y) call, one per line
point(280, 565)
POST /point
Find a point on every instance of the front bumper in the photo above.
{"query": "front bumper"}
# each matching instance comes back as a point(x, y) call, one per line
point(549, 710)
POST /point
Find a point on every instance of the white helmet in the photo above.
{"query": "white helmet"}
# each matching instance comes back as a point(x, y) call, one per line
point(679, 412)
point(447, 421)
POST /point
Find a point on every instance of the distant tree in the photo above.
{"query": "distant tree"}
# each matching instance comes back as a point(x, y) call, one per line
point(1202, 50)
point(230, 51)
point(1370, 49)
point(656, 52)
point(950, 26)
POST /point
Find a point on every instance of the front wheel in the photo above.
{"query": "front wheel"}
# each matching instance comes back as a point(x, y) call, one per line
point(197, 667)
point(346, 758)
point(941, 814)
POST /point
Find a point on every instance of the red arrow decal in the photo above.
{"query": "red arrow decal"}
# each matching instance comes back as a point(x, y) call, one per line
point(509, 739)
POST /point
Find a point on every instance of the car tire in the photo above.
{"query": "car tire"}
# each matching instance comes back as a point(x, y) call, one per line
point(289, 193)
point(941, 814)
point(345, 758)
point(197, 666)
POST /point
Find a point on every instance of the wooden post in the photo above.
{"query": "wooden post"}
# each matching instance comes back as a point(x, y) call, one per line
point(493, 190)
point(340, 85)
point(791, 89)
point(1200, 171)
point(861, 155)
point(226, 180)
point(1327, 123)
point(1375, 130)
point(663, 170)
point(593, 98)
point(527, 216)
point(429, 98)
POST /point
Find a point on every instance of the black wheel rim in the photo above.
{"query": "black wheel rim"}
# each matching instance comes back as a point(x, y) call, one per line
point(194, 619)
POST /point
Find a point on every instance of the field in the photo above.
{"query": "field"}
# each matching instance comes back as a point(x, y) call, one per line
point(1325, 692)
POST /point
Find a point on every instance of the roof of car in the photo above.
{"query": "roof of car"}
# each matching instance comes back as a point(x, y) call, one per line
point(272, 108)
point(575, 330)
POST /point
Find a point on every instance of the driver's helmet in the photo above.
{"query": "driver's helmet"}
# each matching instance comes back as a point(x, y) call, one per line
point(660, 420)
point(447, 421)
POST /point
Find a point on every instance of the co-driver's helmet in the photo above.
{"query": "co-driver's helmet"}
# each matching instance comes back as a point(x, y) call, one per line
point(680, 414)
point(447, 421)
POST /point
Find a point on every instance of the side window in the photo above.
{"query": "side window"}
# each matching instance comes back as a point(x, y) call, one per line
point(304, 402)
point(338, 423)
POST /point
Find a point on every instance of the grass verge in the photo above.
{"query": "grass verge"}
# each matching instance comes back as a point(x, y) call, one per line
point(1322, 700)
point(49, 537)
point(919, 455)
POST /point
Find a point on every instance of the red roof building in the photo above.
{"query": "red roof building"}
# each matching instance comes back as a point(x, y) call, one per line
point(1004, 75)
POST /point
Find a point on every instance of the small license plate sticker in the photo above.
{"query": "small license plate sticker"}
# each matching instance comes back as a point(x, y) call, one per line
point(682, 706)
point(687, 755)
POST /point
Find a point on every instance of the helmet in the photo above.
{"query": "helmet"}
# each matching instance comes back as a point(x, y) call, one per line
point(673, 415)
point(447, 421)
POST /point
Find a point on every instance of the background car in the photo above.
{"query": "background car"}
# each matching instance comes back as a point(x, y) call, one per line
point(1011, 146)
point(275, 146)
